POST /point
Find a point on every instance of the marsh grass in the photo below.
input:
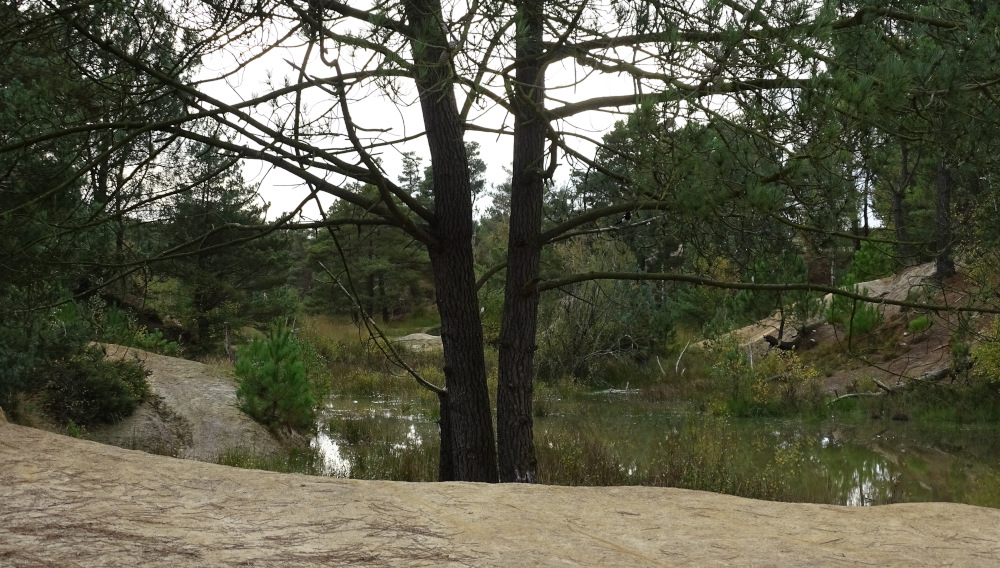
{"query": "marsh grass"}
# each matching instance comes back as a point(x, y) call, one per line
point(353, 365)
point(707, 457)
point(380, 447)
point(930, 403)
point(295, 460)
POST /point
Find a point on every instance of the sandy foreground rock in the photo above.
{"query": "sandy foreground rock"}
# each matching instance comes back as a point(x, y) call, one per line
point(67, 502)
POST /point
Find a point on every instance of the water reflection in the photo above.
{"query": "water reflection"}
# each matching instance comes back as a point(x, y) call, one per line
point(334, 464)
point(862, 463)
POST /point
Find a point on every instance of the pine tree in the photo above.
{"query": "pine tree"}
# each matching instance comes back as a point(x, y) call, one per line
point(273, 386)
point(223, 278)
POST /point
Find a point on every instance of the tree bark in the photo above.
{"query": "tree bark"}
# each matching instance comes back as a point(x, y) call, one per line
point(446, 468)
point(515, 434)
point(898, 211)
point(944, 264)
point(468, 443)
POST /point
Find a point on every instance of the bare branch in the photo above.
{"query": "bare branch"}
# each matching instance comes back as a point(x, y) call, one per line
point(697, 280)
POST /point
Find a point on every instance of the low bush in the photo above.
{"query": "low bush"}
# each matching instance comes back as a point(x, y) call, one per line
point(88, 389)
point(778, 384)
point(859, 318)
point(121, 327)
point(986, 357)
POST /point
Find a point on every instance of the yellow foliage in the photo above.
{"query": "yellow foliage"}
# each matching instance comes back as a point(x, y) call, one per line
point(987, 356)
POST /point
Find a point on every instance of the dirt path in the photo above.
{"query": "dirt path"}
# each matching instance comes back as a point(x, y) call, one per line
point(194, 413)
point(73, 503)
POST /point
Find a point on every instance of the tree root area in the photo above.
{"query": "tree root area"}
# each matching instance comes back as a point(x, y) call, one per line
point(68, 502)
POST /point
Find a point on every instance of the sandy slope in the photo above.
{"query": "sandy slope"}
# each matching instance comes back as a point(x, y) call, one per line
point(67, 502)
point(193, 413)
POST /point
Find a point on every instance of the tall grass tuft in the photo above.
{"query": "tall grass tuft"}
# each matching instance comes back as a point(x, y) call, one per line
point(376, 448)
point(707, 458)
point(295, 460)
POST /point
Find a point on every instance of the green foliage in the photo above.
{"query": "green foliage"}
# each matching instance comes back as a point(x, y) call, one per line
point(961, 357)
point(946, 402)
point(779, 383)
point(387, 270)
point(733, 372)
point(860, 318)
point(920, 324)
point(89, 389)
point(69, 201)
point(869, 263)
point(120, 326)
point(597, 324)
point(863, 319)
point(273, 385)
point(987, 357)
point(793, 307)
point(75, 430)
point(222, 280)
point(31, 337)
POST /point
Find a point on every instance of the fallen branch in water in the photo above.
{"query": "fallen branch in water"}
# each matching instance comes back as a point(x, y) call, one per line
point(855, 395)
point(883, 386)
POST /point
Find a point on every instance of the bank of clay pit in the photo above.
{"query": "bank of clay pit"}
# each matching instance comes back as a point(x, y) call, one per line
point(67, 502)
point(192, 413)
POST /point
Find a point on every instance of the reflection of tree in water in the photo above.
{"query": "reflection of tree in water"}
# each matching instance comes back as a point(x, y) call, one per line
point(860, 475)
point(873, 484)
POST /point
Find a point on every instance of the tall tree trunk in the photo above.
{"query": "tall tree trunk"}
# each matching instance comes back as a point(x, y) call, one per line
point(944, 264)
point(370, 293)
point(898, 212)
point(515, 435)
point(383, 299)
point(467, 441)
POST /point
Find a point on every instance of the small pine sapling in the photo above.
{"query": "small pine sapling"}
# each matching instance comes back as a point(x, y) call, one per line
point(273, 386)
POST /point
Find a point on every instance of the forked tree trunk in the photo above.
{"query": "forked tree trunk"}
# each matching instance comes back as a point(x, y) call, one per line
point(515, 434)
point(468, 446)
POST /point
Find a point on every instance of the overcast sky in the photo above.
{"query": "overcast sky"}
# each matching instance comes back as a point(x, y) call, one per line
point(374, 110)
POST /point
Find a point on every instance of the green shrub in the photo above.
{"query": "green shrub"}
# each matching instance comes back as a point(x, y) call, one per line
point(780, 383)
point(87, 388)
point(986, 355)
point(920, 324)
point(273, 385)
point(155, 342)
point(961, 357)
point(858, 317)
point(864, 319)
point(868, 264)
point(121, 327)
point(30, 339)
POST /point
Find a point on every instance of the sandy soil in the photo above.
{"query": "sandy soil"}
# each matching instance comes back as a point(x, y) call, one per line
point(892, 354)
point(420, 342)
point(74, 503)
